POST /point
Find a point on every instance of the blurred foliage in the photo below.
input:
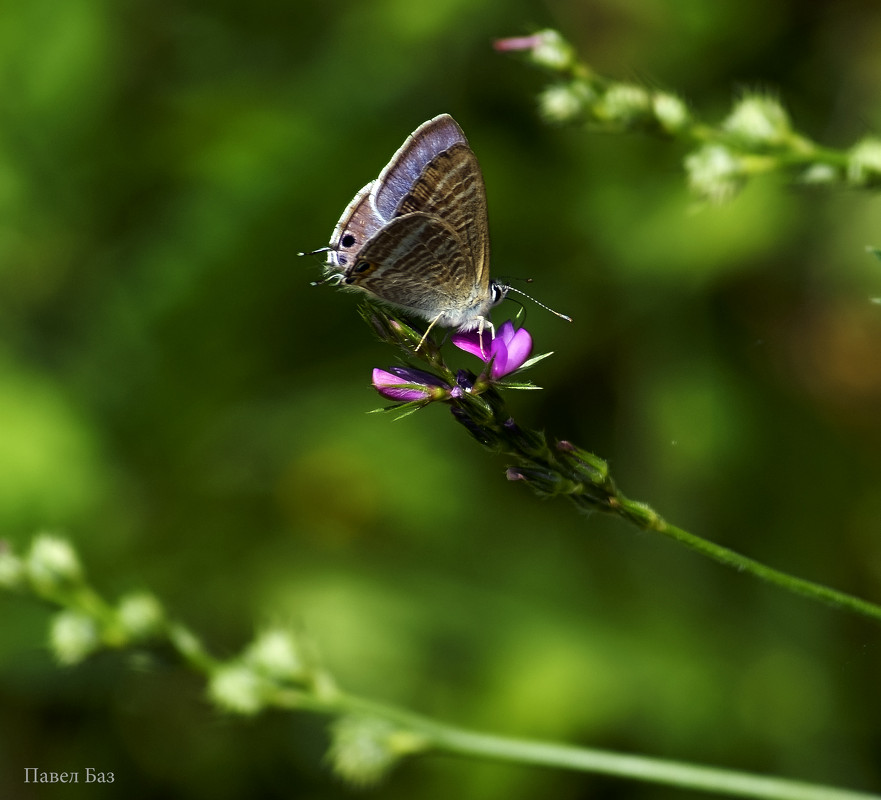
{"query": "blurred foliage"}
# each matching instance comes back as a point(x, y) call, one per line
point(176, 398)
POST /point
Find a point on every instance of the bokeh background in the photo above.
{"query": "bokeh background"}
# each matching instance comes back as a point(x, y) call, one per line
point(177, 399)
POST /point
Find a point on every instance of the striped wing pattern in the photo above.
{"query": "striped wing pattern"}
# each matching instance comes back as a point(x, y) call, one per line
point(417, 236)
point(419, 264)
point(451, 187)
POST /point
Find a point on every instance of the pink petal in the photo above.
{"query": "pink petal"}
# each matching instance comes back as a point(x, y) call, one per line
point(506, 332)
point(470, 342)
point(515, 43)
point(510, 350)
point(519, 348)
point(387, 383)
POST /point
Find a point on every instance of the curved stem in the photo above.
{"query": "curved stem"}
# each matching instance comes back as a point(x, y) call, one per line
point(450, 739)
point(410, 733)
point(567, 470)
point(652, 770)
point(806, 588)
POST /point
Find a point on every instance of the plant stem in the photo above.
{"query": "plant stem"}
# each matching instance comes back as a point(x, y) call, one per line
point(453, 740)
point(650, 770)
point(806, 588)
point(569, 471)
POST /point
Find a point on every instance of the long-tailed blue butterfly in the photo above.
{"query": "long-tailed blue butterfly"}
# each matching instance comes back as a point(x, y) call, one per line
point(417, 237)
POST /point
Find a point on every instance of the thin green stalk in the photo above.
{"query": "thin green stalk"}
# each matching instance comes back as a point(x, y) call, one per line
point(450, 739)
point(585, 479)
point(814, 591)
point(649, 770)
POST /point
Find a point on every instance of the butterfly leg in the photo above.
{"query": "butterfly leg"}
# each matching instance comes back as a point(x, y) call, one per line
point(425, 335)
point(485, 323)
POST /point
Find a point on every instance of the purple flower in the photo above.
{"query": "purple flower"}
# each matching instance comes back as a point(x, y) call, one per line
point(546, 49)
point(515, 43)
point(405, 384)
point(507, 351)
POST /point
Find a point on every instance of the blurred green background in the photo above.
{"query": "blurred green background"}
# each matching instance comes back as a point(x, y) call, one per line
point(178, 400)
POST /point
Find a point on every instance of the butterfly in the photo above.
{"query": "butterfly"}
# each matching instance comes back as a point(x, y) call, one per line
point(417, 237)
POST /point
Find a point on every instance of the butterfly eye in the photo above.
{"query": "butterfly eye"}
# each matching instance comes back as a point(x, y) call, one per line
point(497, 291)
point(348, 240)
point(362, 266)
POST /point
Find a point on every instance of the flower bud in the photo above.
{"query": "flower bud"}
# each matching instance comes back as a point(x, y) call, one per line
point(565, 102)
point(73, 636)
point(592, 467)
point(541, 480)
point(525, 441)
point(359, 752)
point(864, 162)
point(670, 111)
point(483, 434)
point(52, 564)
point(465, 380)
point(759, 120)
point(715, 173)
point(236, 687)
point(406, 384)
point(545, 49)
point(623, 104)
point(275, 653)
point(820, 174)
point(364, 749)
point(140, 615)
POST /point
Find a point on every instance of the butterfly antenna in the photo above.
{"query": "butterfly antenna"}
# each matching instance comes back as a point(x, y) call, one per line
point(315, 252)
point(540, 305)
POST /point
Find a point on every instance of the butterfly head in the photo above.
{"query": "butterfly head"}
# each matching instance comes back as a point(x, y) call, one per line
point(498, 291)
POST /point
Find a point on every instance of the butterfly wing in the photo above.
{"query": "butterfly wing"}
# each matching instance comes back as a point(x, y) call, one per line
point(428, 141)
point(418, 263)
point(357, 224)
point(451, 188)
point(376, 203)
point(417, 237)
